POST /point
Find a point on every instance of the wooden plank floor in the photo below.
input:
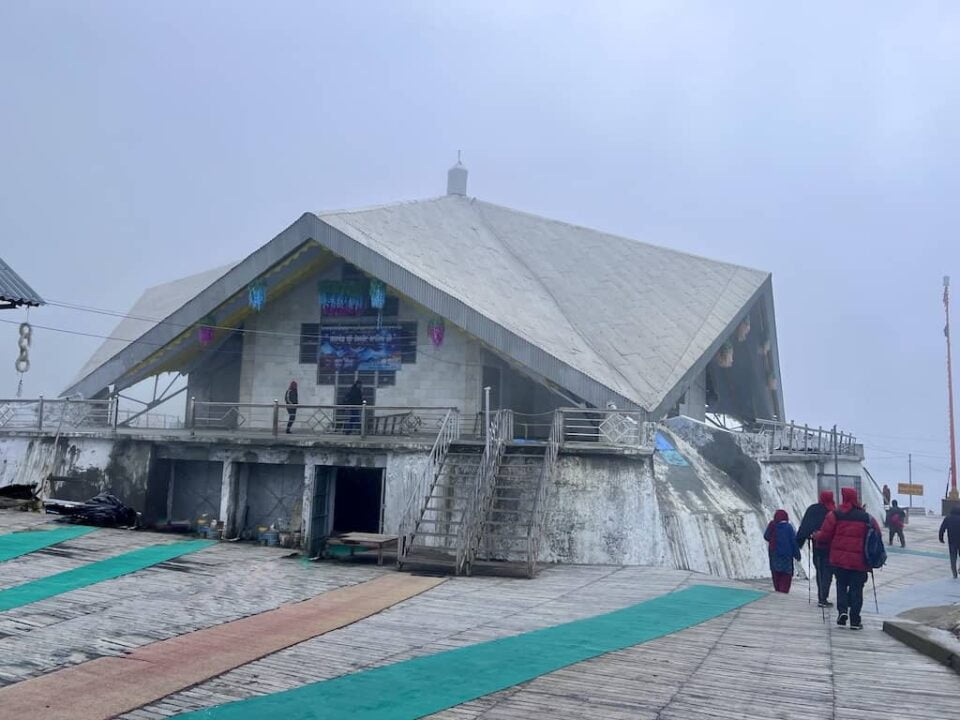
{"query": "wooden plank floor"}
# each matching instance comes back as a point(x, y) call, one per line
point(772, 659)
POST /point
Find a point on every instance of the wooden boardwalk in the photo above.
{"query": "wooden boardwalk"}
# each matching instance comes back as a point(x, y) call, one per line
point(771, 659)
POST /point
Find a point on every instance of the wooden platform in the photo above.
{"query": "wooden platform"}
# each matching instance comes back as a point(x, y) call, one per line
point(364, 541)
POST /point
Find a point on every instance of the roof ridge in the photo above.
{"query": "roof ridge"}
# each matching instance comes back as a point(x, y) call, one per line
point(626, 238)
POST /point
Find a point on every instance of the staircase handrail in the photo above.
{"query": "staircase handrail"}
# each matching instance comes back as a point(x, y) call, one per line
point(501, 429)
point(419, 498)
point(539, 511)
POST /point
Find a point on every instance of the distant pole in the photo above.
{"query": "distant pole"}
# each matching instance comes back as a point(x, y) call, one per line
point(836, 461)
point(952, 494)
point(910, 476)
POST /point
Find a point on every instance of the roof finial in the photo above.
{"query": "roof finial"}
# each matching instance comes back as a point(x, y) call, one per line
point(457, 178)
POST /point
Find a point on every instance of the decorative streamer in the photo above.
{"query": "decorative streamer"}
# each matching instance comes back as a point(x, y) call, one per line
point(437, 330)
point(743, 329)
point(342, 298)
point(725, 355)
point(378, 294)
point(257, 295)
point(206, 332)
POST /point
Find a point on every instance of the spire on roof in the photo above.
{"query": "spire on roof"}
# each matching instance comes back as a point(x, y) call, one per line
point(457, 178)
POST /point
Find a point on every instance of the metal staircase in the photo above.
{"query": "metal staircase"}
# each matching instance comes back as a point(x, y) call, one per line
point(442, 525)
point(513, 524)
point(484, 506)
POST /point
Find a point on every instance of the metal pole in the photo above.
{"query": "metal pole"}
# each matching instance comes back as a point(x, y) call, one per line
point(276, 417)
point(836, 462)
point(910, 476)
point(486, 415)
point(192, 414)
point(953, 494)
point(363, 419)
point(40, 415)
point(116, 411)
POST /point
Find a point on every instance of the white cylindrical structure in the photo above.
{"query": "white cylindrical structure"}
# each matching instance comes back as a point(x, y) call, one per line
point(457, 180)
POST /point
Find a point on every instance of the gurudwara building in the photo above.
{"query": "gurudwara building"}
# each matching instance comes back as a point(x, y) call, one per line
point(474, 387)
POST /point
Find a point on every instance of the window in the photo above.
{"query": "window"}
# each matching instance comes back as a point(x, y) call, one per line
point(309, 343)
point(408, 343)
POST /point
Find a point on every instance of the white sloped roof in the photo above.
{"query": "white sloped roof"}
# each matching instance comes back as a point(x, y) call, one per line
point(156, 304)
point(605, 317)
point(632, 316)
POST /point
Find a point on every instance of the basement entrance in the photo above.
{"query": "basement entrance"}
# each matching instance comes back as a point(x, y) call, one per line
point(358, 500)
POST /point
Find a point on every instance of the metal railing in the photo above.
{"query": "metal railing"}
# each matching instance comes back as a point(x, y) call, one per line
point(56, 415)
point(317, 420)
point(791, 438)
point(617, 428)
point(544, 482)
point(419, 496)
point(479, 500)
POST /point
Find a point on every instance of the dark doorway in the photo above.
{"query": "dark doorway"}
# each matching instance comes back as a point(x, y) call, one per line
point(356, 505)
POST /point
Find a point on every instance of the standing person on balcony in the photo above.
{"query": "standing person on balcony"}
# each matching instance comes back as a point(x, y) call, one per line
point(845, 531)
point(895, 521)
point(783, 550)
point(812, 521)
point(291, 400)
point(353, 398)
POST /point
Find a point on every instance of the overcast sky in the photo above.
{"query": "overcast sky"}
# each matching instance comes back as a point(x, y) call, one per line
point(145, 141)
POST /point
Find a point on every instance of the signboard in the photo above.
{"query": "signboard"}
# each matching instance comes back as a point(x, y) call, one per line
point(360, 348)
point(909, 489)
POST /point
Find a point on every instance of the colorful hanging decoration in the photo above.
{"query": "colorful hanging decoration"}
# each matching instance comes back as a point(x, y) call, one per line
point(725, 355)
point(257, 295)
point(437, 330)
point(743, 329)
point(764, 347)
point(347, 297)
point(378, 294)
point(205, 333)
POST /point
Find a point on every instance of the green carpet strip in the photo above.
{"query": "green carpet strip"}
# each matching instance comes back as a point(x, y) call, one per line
point(427, 685)
point(95, 572)
point(919, 553)
point(27, 541)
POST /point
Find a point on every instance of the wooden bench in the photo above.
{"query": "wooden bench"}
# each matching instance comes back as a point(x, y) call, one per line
point(364, 542)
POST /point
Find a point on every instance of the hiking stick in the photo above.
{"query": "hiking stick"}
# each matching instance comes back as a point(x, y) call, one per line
point(809, 563)
point(875, 602)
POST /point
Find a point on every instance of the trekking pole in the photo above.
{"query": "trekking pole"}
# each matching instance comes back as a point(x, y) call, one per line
point(809, 563)
point(875, 602)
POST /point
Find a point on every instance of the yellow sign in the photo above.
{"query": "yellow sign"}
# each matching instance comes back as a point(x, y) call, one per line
point(908, 489)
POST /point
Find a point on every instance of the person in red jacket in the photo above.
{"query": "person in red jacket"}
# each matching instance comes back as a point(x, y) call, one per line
point(845, 530)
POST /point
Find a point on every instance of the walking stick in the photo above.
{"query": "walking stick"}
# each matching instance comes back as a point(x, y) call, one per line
point(809, 563)
point(875, 602)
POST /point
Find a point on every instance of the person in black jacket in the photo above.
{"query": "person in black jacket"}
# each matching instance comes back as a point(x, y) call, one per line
point(951, 526)
point(812, 521)
point(291, 400)
point(895, 521)
point(354, 399)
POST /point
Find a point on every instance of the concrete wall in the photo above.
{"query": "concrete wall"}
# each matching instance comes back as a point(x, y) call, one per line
point(448, 376)
point(79, 467)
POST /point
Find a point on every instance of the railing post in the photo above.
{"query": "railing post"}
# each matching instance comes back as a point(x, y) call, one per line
point(363, 419)
point(40, 415)
point(192, 415)
point(276, 417)
point(806, 434)
point(116, 412)
point(486, 416)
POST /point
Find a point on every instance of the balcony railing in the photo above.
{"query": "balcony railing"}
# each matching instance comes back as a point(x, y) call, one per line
point(317, 420)
point(609, 428)
point(56, 415)
point(790, 438)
